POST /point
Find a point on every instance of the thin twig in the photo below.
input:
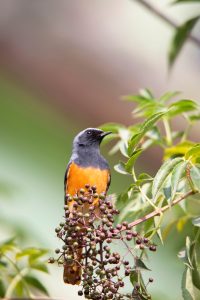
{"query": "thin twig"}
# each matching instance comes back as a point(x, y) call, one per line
point(157, 12)
point(160, 210)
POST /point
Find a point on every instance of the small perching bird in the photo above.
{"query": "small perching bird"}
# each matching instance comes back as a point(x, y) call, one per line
point(86, 167)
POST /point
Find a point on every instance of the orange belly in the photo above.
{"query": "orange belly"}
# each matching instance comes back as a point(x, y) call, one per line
point(78, 177)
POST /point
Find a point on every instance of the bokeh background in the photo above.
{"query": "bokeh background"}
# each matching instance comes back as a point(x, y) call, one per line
point(64, 66)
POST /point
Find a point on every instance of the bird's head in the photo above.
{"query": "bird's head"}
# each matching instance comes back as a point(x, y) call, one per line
point(90, 137)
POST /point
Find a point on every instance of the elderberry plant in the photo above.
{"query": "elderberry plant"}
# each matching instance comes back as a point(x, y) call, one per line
point(167, 125)
point(136, 219)
point(103, 271)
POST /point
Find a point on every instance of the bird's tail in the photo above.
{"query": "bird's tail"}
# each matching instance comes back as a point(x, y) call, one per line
point(73, 270)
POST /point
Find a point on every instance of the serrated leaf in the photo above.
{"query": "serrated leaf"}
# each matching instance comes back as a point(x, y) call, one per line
point(177, 174)
point(179, 38)
point(35, 283)
point(162, 174)
point(195, 176)
point(181, 106)
point(130, 163)
point(120, 168)
point(146, 126)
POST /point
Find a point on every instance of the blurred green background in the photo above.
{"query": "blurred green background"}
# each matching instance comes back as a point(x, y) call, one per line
point(64, 67)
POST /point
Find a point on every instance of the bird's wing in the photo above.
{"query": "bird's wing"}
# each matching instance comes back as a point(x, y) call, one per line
point(66, 177)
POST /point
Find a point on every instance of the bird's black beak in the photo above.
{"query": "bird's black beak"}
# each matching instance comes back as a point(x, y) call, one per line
point(104, 133)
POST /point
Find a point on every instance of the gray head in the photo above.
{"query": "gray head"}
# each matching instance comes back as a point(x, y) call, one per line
point(90, 137)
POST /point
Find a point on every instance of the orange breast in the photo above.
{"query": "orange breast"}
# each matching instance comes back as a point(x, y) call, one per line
point(78, 177)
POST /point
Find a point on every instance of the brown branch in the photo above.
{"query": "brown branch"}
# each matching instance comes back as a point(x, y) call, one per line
point(159, 211)
point(154, 10)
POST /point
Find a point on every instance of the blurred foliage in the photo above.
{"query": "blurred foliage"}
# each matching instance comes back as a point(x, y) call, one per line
point(19, 270)
point(180, 37)
point(178, 177)
point(181, 32)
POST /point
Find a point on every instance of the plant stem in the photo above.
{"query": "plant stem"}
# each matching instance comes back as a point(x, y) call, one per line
point(15, 281)
point(159, 211)
point(19, 272)
point(154, 10)
point(168, 131)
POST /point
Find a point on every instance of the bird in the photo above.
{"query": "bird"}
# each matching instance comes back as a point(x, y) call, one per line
point(86, 167)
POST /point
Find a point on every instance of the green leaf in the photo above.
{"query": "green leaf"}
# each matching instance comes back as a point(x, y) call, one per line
point(169, 95)
point(157, 222)
point(143, 178)
point(139, 264)
point(196, 264)
point(2, 288)
point(114, 127)
point(196, 222)
point(134, 277)
point(183, 1)
point(146, 93)
point(182, 106)
point(194, 152)
point(180, 37)
point(40, 267)
point(146, 109)
point(130, 163)
point(187, 285)
point(162, 174)
point(34, 282)
point(194, 118)
point(195, 177)
point(33, 253)
point(137, 98)
point(188, 248)
point(146, 126)
point(120, 168)
point(177, 174)
point(3, 264)
point(178, 150)
point(123, 149)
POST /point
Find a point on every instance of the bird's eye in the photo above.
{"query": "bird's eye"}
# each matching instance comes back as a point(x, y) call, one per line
point(89, 132)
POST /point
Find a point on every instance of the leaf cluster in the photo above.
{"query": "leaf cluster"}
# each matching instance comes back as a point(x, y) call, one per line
point(179, 172)
point(19, 269)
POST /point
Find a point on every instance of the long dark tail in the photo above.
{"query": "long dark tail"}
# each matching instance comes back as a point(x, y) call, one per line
point(72, 271)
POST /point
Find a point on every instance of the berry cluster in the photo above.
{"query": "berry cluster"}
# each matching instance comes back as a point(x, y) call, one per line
point(89, 229)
